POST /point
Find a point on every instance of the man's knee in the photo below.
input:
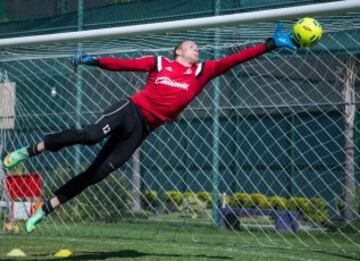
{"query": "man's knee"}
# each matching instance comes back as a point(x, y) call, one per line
point(102, 172)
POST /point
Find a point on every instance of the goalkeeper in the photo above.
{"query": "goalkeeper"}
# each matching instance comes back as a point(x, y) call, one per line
point(171, 86)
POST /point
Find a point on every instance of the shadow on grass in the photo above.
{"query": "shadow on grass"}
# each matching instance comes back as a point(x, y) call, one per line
point(133, 254)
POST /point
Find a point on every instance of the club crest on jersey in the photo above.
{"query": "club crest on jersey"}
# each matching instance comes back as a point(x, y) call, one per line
point(168, 69)
point(188, 71)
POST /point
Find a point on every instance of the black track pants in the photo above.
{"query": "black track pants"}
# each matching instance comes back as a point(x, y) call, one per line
point(126, 129)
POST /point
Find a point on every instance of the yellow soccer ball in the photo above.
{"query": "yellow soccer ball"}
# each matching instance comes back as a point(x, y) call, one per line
point(307, 32)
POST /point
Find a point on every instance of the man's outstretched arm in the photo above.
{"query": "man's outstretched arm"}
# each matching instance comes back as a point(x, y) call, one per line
point(278, 40)
point(217, 67)
point(144, 64)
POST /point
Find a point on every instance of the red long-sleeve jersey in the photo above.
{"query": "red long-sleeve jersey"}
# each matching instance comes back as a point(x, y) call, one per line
point(171, 86)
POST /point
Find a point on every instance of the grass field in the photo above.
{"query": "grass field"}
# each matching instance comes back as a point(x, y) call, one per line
point(135, 241)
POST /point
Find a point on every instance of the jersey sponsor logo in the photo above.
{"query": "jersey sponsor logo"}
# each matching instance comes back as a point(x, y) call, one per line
point(167, 81)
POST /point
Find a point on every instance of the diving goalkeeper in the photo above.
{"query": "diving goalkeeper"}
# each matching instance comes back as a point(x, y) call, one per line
point(170, 87)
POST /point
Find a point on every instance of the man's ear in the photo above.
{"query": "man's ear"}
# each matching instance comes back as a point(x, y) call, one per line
point(178, 51)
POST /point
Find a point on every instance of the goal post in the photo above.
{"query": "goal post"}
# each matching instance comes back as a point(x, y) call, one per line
point(190, 24)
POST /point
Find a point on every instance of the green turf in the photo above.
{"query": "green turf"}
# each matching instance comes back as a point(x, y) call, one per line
point(141, 241)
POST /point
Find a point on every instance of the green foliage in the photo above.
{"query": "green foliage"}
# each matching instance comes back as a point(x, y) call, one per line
point(228, 199)
point(317, 211)
point(192, 207)
point(239, 200)
point(298, 204)
point(260, 201)
point(206, 198)
point(149, 199)
point(314, 210)
point(278, 202)
point(173, 200)
point(319, 217)
point(151, 195)
point(189, 195)
point(174, 197)
point(318, 203)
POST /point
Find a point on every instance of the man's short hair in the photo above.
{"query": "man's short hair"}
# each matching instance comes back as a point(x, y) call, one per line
point(178, 46)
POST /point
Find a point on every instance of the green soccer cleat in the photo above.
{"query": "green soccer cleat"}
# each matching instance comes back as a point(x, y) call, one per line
point(13, 158)
point(34, 220)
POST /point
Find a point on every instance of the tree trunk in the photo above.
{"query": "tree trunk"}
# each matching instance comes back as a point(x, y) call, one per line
point(136, 180)
point(349, 149)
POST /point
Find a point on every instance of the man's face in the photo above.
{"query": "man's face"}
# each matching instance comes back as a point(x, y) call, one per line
point(189, 51)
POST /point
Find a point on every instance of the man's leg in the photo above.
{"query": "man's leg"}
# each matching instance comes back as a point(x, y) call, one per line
point(77, 183)
point(108, 123)
point(116, 151)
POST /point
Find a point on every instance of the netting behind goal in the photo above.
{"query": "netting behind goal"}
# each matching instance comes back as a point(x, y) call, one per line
point(269, 150)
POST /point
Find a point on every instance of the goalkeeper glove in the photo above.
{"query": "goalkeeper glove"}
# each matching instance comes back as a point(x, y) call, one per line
point(281, 39)
point(86, 59)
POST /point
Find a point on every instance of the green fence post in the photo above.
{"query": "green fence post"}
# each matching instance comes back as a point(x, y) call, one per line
point(216, 136)
point(79, 84)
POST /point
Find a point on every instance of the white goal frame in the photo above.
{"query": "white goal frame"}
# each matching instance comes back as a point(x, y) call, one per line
point(322, 9)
